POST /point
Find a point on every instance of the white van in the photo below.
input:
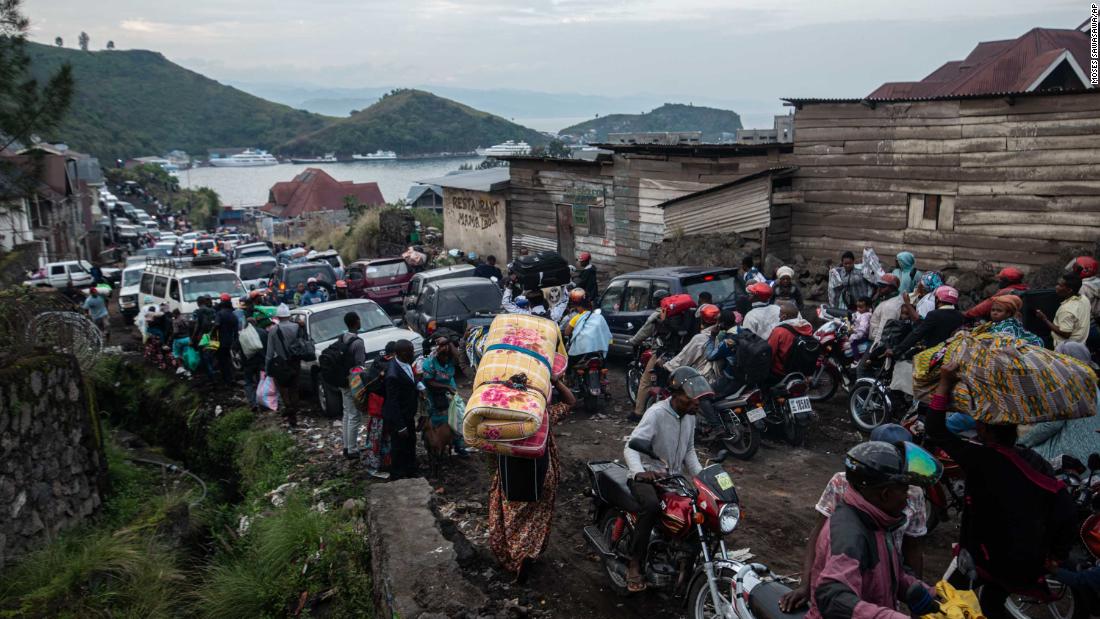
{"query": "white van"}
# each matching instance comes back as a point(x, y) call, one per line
point(255, 272)
point(128, 294)
point(180, 282)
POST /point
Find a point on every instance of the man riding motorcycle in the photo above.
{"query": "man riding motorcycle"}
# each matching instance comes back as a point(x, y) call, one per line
point(670, 426)
point(694, 354)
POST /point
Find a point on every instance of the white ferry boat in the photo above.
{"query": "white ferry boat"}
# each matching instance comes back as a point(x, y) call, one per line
point(248, 158)
point(328, 158)
point(511, 147)
point(376, 156)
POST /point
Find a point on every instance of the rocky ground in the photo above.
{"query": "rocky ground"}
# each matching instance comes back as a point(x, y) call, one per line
point(778, 489)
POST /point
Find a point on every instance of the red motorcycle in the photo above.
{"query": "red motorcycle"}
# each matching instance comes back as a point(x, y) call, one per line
point(834, 366)
point(685, 551)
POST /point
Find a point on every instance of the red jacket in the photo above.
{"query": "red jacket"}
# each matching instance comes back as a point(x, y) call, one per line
point(781, 340)
point(981, 310)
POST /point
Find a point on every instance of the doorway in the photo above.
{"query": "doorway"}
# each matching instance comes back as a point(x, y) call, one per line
point(565, 231)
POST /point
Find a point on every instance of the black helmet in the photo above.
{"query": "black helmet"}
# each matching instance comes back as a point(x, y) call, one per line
point(660, 295)
point(690, 381)
point(876, 463)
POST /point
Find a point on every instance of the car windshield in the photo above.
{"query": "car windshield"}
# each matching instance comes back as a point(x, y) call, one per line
point(332, 260)
point(721, 286)
point(211, 285)
point(257, 270)
point(330, 323)
point(322, 271)
point(460, 301)
point(386, 269)
point(132, 277)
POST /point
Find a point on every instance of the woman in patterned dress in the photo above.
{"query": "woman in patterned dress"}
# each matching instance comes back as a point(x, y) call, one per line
point(519, 530)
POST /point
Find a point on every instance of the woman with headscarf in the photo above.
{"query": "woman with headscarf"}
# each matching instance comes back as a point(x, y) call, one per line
point(1004, 318)
point(924, 296)
point(785, 288)
point(907, 272)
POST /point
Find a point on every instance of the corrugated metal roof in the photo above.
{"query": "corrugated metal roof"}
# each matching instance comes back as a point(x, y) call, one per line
point(798, 101)
point(706, 150)
point(738, 208)
point(776, 171)
point(490, 179)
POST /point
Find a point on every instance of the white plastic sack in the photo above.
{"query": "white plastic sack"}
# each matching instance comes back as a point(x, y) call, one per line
point(871, 267)
point(250, 341)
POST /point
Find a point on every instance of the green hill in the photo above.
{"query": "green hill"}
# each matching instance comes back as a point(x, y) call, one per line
point(411, 122)
point(669, 117)
point(135, 103)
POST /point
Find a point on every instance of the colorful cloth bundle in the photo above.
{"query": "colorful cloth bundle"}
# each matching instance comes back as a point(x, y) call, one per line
point(1005, 380)
point(506, 413)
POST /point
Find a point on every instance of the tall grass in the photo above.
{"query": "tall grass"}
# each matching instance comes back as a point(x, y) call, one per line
point(264, 459)
point(428, 218)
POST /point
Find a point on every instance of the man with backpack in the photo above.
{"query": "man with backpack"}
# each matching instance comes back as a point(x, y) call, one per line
point(794, 348)
point(337, 361)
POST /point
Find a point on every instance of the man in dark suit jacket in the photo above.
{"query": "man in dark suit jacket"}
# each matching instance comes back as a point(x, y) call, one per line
point(399, 411)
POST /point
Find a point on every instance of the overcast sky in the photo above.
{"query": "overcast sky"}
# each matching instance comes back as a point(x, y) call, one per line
point(702, 50)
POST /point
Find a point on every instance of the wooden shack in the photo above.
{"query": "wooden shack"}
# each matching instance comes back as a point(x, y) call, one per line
point(956, 180)
point(612, 207)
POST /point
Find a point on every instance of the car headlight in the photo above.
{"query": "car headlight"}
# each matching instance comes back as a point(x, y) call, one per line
point(728, 518)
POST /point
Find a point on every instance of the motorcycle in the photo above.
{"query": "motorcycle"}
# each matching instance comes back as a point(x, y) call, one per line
point(945, 499)
point(787, 407)
point(686, 554)
point(590, 382)
point(634, 370)
point(871, 403)
point(834, 367)
point(742, 415)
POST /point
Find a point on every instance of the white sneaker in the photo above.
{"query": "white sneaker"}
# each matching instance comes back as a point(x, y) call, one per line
point(378, 474)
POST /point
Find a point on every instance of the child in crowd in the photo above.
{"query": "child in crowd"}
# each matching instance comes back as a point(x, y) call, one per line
point(861, 328)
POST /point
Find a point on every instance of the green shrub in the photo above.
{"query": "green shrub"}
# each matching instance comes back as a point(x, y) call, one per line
point(264, 460)
point(428, 218)
point(224, 436)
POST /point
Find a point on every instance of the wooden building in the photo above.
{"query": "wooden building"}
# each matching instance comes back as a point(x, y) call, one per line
point(1011, 179)
point(612, 207)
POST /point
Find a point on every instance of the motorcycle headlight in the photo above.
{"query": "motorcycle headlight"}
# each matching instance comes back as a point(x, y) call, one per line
point(728, 518)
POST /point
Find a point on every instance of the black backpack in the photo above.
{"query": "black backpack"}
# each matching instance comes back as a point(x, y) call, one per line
point(753, 358)
point(374, 378)
point(803, 354)
point(335, 361)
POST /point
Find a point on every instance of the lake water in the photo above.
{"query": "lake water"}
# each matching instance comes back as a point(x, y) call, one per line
point(250, 186)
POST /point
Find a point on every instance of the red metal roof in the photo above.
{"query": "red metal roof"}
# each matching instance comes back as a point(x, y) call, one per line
point(1011, 65)
point(314, 190)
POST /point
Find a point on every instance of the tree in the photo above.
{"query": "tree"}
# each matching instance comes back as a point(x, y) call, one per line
point(59, 42)
point(83, 40)
point(110, 44)
point(354, 207)
point(558, 149)
point(27, 108)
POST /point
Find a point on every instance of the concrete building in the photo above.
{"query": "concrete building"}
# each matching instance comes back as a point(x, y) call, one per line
point(782, 132)
point(475, 211)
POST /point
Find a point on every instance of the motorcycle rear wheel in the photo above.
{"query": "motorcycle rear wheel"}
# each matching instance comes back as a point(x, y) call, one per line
point(867, 407)
point(795, 433)
point(746, 445)
point(633, 380)
point(617, 578)
point(699, 599)
point(824, 383)
point(1069, 606)
point(591, 402)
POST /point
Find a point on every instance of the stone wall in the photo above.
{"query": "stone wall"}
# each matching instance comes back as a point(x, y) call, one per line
point(52, 468)
point(394, 227)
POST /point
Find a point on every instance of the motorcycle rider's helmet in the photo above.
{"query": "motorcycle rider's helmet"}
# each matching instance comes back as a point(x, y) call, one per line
point(878, 463)
point(891, 433)
point(1090, 535)
point(1086, 266)
point(690, 381)
point(660, 296)
point(760, 292)
point(709, 313)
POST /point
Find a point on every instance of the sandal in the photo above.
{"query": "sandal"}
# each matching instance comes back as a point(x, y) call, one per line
point(635, 584)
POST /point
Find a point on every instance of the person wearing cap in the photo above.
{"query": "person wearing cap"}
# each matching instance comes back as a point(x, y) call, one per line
point(341, 289)
point(1009, 280)
point(1017, 516)
point(1074, 437)
point(694, 353)
point(1073, 320)
point(1088, 269)
point(923, 297)
point(847, 284)
point(251, 366)
point(654, 326)
point(585, 277)
point(669, 427)
point(907, 537)
point(857, 569)
point(764, 315)
point(786, 289)
point(936, 327)
point(278, 339)
point(1004, 317)
point(314, 293)
point(888, 302)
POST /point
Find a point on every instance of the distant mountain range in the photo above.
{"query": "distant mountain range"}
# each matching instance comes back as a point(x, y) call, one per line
point(412, 121)
point(136, 103)
point(669, 117)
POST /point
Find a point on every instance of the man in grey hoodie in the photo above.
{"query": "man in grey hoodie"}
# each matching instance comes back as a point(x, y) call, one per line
point(669, 425)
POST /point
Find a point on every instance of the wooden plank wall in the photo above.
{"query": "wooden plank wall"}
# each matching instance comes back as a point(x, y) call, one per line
point(1025, 177)
point(634, 186)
